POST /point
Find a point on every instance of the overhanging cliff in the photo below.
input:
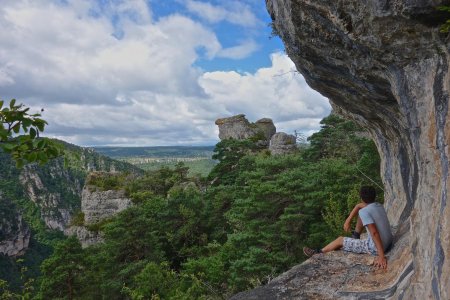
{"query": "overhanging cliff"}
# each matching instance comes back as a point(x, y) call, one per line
point(386, 65)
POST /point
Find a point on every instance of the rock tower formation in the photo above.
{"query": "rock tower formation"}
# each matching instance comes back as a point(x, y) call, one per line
point(386, 65)
point(239, 128)
point(96, 206)
point(262, 131)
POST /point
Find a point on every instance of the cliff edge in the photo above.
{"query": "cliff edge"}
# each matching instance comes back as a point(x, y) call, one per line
point(385, 64)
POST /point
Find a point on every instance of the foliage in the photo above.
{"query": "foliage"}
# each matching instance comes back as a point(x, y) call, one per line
point(107, 181)
point(77, 219)
point(27, 288)
point(62, 272)
point(446, 26)
point(336, 212)
point(187, 239)
point(19, 135)
point(228, 152)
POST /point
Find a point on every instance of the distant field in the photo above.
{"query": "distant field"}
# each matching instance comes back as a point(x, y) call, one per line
point(163, 151)
point(197, 158)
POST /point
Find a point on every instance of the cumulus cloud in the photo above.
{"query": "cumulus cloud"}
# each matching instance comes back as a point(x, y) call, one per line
point(54, 45)
point(151, 118)
point(277, 92)
point(114, 75)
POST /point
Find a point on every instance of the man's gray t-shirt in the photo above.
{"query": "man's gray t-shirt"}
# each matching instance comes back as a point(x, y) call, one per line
point(375, 213)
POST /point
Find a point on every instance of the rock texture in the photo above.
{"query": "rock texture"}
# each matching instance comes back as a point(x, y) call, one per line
point(14, 232)
point(239, 128)
point(386, 65)
point(266, 127)
point(282, 143)
point(85, 236)
point(99, 205)
point(55, 209)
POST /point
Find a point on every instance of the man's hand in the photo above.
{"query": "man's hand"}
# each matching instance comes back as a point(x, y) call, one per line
point(380, 262)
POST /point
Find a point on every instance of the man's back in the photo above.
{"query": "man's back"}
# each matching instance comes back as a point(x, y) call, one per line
point(375, 213)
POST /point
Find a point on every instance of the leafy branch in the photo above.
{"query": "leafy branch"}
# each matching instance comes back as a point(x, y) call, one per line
point(20, 135)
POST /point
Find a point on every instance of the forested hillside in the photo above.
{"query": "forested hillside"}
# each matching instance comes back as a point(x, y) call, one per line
point(207, 238)
point(45, 198)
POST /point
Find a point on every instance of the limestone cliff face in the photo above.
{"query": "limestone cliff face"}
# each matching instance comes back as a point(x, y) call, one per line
point(386, 65)
point(97, 205)
point(14, 232)
point(55, 209)
point(54, 189)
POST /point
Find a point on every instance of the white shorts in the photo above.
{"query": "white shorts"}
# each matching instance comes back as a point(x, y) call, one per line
point(359, 246)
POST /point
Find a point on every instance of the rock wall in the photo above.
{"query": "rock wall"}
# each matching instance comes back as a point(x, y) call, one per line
point(51, 198)
point(386, 65)
point(282, 143)
point(85, 236)
point(14, 232)
point(99, 205)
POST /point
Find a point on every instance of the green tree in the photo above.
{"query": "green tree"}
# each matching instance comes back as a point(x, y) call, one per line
point(229, 152)
point(20, 135)
point(62, 272)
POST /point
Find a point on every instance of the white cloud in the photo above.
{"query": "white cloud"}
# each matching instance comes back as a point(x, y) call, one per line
point(141, 88)
point(240, 51)
point(234, 12)
point(151, 118)
point(52, 45)
point(277, 92)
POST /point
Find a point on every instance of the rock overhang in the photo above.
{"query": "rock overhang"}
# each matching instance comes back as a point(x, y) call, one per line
point(386, 65)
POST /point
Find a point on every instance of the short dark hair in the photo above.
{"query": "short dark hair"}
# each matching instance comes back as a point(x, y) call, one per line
point(367, 194)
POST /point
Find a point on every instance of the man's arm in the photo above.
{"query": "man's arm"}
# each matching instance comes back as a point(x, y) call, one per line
point(353, 214)
point(380, 261)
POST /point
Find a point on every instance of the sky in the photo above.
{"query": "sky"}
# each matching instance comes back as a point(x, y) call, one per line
point(150, 72)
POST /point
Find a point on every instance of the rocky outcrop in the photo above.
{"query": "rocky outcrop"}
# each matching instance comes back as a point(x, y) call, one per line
point(266, 127)
point(342, 275)
point(239, 128)
point(14, 232)
point(282, 143)
point(99, 205)
point(54, 211)
point(85, 236)
point(56, 190)
point(263, 132)
point(386, 65)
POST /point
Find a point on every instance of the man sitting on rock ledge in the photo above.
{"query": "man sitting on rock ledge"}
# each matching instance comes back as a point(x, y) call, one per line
point(371, 215)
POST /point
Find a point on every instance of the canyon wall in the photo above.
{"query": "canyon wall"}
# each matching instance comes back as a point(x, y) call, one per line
point(385, 64)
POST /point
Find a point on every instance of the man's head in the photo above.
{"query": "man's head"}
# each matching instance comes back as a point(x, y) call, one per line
point(367, 194)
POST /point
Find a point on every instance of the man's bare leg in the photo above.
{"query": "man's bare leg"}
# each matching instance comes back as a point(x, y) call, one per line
point(334, 245)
